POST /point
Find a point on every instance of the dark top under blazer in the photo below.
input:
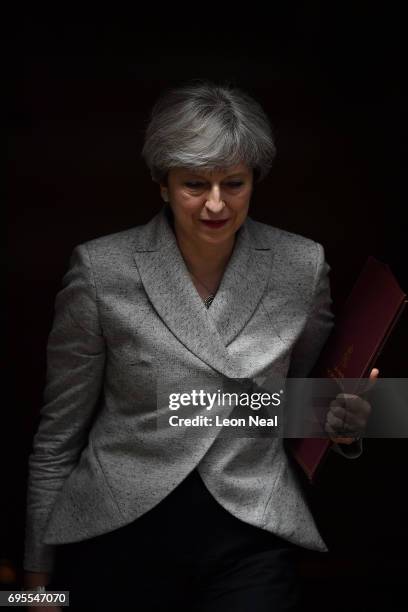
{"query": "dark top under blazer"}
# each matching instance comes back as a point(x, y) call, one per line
point(128, 315)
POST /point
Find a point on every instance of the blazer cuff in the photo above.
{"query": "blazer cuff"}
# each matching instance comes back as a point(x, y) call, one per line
point(39, 558)
point(350, 451)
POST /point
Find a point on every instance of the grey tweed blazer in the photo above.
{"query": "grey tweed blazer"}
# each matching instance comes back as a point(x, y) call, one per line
point(127, 315)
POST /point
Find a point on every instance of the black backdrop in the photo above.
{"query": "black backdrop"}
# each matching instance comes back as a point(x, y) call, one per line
point(334, 88)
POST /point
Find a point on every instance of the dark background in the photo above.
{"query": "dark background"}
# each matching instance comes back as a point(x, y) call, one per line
point(333, 86)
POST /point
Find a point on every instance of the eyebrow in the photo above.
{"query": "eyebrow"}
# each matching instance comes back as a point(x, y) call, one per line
point(236, 175)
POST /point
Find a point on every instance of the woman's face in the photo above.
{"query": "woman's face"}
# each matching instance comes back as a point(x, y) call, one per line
point(209, 207)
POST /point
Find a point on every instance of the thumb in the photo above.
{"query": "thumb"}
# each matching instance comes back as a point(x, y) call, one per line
point(372, 378)
point(368, 383)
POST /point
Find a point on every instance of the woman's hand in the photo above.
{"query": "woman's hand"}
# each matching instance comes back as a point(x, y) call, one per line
point(349, 412)
point(34, 579)
point(44, 609)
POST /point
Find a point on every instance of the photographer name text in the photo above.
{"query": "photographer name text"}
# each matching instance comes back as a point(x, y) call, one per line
point(217, 421)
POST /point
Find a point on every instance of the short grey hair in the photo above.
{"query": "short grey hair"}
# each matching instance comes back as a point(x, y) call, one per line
point(204, 125)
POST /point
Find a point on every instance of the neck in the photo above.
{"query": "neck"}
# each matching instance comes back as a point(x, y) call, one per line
point(205, 259)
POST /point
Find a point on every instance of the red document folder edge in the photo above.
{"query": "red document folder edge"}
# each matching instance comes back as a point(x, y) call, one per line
point(364, 324)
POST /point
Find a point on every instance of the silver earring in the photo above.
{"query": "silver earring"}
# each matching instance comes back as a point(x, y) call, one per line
point(165, 196)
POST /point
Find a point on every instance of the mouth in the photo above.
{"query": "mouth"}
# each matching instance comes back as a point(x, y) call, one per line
point(214, 224)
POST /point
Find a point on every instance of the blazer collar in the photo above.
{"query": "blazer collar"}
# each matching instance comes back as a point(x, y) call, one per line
point(166, 280)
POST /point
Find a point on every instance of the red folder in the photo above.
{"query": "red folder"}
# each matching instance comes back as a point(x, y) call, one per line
point(362, 328)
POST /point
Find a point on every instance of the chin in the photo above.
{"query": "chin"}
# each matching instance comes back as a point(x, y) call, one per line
point(218, 242)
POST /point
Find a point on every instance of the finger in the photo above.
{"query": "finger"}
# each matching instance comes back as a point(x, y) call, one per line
point(336, 438)
point(343, 440)
point(337, 411)
point(337, 427)
point(372, 379)
point(345, 421)
point(353, 404)
point(335, 423)
point(342, 423)
point(368, 383)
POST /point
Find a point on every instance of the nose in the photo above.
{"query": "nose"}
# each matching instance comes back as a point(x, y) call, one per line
point(214, 202)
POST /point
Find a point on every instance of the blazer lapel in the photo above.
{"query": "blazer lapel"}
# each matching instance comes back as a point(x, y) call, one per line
point(243, 284)
point(167, 282)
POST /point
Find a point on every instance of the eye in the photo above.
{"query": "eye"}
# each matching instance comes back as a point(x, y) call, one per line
point(198, 185)
point(193, 185)
point(235, 184)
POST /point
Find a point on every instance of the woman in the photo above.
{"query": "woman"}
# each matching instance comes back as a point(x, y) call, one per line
point(121, 511)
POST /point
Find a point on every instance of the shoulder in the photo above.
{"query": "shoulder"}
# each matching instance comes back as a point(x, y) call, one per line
point(110, 250)
point(117, 241)
point(288, 246)
point(297, 261)
point(105, 257)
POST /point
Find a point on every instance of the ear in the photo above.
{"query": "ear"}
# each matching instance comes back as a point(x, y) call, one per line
point(164, 188)
point(164, 193)
point(255, 175)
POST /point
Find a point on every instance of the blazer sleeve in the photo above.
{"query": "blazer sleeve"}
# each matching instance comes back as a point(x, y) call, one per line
point(320, 322)
point(74, 375)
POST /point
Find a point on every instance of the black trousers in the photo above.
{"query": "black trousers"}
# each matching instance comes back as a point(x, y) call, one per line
point(187, 554)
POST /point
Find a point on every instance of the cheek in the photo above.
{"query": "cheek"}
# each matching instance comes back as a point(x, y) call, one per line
point(190, 210)
point(190, 203)
point(242, 206)
point(183, 206)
